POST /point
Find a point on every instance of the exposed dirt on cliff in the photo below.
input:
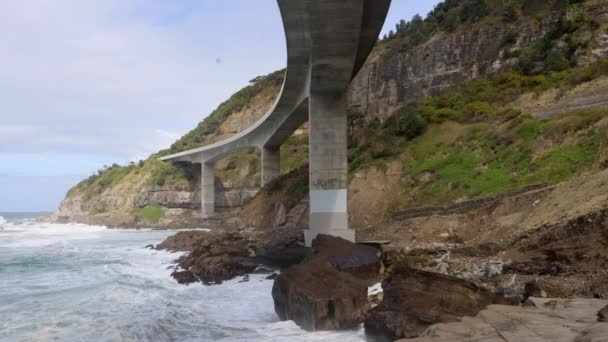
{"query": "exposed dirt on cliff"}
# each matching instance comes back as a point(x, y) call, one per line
point(373, 194)
point(556, 238)
point(553, 102)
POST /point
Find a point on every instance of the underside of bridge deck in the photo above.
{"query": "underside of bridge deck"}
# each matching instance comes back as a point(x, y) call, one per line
point(328, 42)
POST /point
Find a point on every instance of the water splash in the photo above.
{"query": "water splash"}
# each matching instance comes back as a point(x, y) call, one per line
point(74, 282)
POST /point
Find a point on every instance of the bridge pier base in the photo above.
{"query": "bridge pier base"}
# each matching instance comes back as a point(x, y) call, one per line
point(207, 189)
point(271, 164)
point(328, 167)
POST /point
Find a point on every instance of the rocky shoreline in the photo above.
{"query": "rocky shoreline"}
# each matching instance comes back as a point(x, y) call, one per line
point(487, 265)
point(327, 286)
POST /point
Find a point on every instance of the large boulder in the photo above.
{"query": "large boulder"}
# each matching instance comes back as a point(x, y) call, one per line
point(414, 300)
point(319, 297)
point(330, 290)
point(361, 261)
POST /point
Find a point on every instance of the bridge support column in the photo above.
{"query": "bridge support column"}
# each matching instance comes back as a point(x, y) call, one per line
point(328, 167)
point(271, 164)
point(207, 189)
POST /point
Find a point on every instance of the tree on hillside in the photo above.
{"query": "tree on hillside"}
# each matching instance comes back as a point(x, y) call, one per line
point(474, 10)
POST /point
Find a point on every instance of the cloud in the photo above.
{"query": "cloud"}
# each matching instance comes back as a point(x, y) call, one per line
point(124, 77)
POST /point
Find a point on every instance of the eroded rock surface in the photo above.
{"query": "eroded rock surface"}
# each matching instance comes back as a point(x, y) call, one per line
point(602, 315)
point(415, 299)
point(361, 261)
point(556, 320)
point(330, 291)
point(213, 257)
point(319, 297)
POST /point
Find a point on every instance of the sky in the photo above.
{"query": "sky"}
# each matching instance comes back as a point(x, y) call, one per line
point(85, 84)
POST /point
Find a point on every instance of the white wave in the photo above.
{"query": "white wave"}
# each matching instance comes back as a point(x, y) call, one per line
point(2, 220)
point(83, 283)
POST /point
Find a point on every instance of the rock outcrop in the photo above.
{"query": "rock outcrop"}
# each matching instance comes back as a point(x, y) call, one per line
point(602, 315)
point(213, 257)
point(414, 300)
point(386, 82)
point(329, 291)
point(363, 262)
point(227, 195)
point(319, 297)
point(556, 320)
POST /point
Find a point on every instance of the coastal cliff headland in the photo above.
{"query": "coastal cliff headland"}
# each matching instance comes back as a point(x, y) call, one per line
point(478, 175)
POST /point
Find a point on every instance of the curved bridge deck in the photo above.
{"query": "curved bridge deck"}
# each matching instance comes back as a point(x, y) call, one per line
point(328, 42)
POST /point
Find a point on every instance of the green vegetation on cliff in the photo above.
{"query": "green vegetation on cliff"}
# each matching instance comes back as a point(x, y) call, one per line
point(198, 136)
point(151, 213)
point(471, 142)
point(159, 173)
point(459, 15)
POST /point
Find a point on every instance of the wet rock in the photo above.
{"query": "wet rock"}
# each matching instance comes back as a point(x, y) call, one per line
point(330, 291)
point(602, 315)
point(150, 247)
point(213, 257)
point(184, 277)
point(272, 276)
point(414, 300)
point(281, 255)
point(263, 270)
point(186, 241)
point(319, 297)
point(361, 261)
point(217, 266)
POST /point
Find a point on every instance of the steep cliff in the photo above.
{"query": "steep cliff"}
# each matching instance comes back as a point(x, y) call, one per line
point(447, 59)
point(433, 119)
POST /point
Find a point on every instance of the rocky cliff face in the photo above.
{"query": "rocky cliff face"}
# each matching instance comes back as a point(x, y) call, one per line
point(385, 84)
point(227, 195)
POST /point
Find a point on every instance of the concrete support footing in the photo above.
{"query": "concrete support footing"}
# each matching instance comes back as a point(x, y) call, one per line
point(207, 189)
point(271, 164)
point(328, 167)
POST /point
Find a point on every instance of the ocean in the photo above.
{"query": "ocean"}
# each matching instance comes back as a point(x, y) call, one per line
point(70, 282)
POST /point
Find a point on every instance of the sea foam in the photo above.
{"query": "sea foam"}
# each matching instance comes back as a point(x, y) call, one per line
point(73, 282)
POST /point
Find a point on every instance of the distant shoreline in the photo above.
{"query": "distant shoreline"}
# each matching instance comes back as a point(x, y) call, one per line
point(12, 215)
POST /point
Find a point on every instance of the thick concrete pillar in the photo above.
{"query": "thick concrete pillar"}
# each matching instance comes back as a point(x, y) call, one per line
point(207, 189)
point(328, 167)
point(271, 164)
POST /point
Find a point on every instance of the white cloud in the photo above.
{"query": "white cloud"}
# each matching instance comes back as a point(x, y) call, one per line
point(123, 77)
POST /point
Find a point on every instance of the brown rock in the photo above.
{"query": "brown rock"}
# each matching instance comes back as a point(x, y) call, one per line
point(602, 315)
point(555, 320)
point(414, 300)
point(280, 215)
point(185, 241)
point(184, 277)
point(319, 297)
point(213, 257)
point(361, 261)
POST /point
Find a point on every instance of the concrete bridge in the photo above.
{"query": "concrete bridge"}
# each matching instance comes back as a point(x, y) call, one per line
point(328, 42)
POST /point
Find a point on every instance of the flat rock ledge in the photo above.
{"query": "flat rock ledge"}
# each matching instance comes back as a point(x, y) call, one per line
point(543, 320)
point(414, 300)
point(330, 291)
